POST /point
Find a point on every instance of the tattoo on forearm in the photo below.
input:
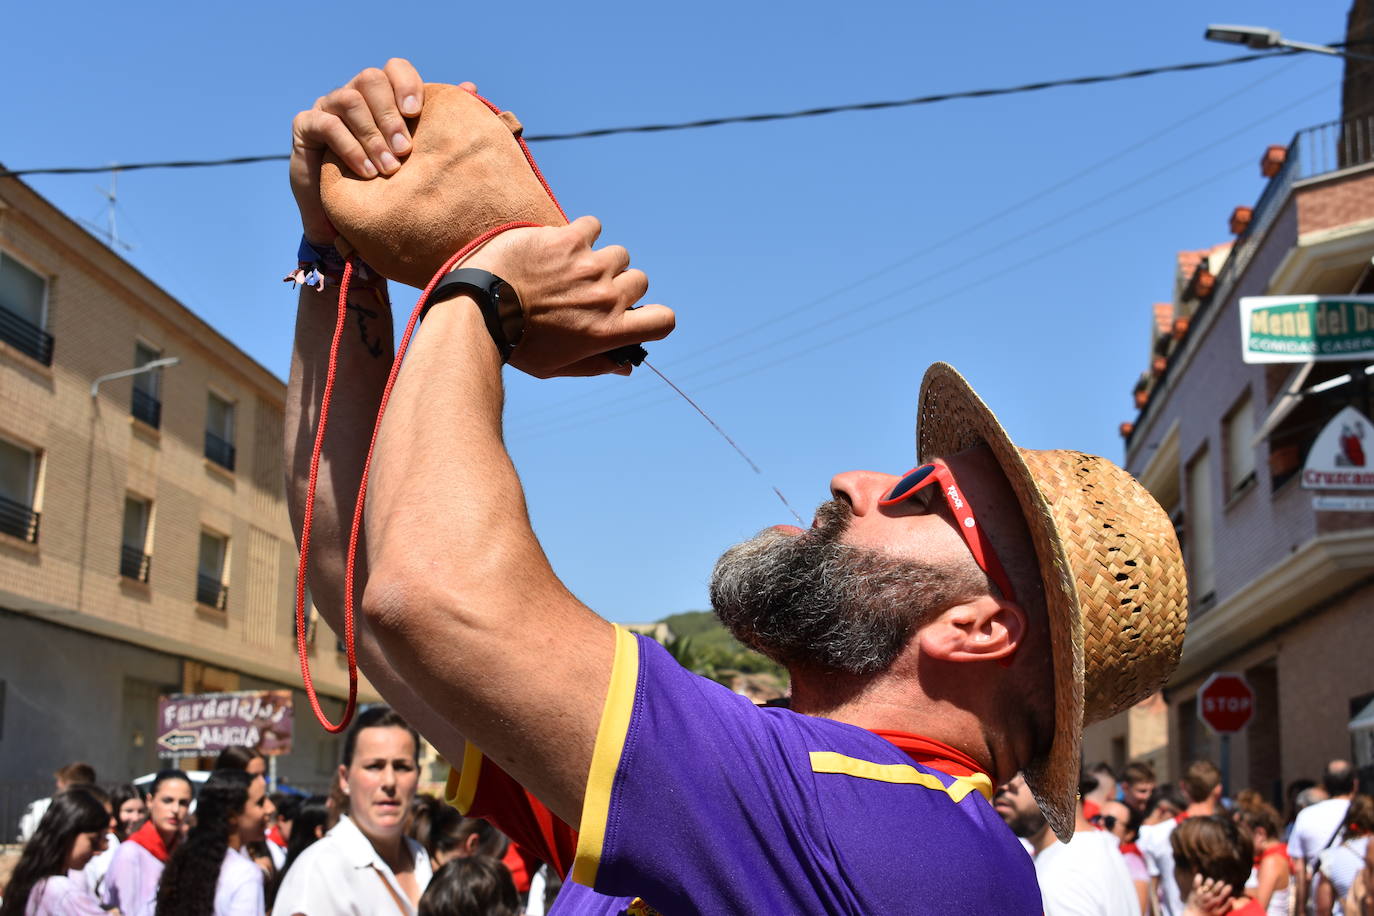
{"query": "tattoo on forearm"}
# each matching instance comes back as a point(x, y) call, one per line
point(373, 345)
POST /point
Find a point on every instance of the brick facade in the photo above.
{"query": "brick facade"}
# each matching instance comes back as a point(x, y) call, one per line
point(1292, 602)
point(94, 453)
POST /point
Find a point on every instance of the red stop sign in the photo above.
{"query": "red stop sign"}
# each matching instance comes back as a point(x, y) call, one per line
point(1226, 703)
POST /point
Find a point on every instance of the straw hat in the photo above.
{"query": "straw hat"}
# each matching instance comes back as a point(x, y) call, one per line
point(1115, 588)
point(467, 172)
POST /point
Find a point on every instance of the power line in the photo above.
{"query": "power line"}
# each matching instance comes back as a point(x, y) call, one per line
point(550, 429)
point(901, 103)
point(710, 122)
point(745, 337)
point(137, 166)
point(632, 400)
point(632, 403)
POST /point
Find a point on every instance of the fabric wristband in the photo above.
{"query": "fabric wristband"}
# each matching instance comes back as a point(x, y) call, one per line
point(317, 264)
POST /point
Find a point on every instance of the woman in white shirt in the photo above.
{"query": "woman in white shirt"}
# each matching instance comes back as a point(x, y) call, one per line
point(210, 874)
point(130, 885)
point(366, 865)
point(48, 880)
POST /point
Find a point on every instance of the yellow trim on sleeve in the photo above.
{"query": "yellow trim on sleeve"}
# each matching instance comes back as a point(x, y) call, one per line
point(461, 787)
point(610, 743)
point(901, 773)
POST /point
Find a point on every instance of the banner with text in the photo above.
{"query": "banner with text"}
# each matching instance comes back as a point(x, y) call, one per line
point(203, 724)
point(1304, 329)
point(1338, 460)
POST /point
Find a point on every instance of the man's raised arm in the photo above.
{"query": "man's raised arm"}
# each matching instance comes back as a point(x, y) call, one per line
point(461, 596)
point(365, 355)
point(456, 592)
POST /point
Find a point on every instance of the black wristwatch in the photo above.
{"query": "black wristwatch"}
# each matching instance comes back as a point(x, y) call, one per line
point(502, 312)
point(497, 300)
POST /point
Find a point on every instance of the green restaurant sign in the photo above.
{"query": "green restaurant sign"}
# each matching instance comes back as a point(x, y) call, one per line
point(1303, 329)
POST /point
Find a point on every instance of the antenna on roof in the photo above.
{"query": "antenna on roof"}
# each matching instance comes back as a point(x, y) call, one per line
point(110, 232)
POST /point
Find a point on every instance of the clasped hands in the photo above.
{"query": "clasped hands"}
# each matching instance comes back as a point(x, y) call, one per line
point(577, 299)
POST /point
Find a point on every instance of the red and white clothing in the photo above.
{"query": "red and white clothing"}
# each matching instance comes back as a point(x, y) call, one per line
point(1278, 900)
point(276, 848)
point(1135, 862)
point(135, 869)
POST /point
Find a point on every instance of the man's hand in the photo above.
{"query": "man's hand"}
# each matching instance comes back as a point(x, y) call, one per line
point(363, 123)
point(577, 299)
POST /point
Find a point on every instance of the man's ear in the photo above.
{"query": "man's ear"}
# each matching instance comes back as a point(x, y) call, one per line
point(982, 630)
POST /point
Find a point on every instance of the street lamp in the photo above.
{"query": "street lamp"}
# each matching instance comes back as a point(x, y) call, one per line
point(124, 373)
point(1262, 39)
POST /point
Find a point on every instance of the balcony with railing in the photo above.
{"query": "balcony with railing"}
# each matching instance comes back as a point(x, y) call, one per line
point(211, 592)
point(1314, 154)
point(219, 451)
point(134, 563)
point(146, 407)
point(18, 520)
point(25, 337)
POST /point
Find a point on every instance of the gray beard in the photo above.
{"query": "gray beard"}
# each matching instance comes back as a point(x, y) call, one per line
point(809, 601)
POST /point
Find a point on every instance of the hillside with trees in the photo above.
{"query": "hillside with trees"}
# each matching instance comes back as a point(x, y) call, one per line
point(702, 645)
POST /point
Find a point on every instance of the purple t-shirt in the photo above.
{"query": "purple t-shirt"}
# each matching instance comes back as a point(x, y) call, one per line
point(698, 801)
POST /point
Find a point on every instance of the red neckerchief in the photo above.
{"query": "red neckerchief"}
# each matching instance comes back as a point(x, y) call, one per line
point(1278, 849)
point(1180, 818)
point(1130, 848)
point(148, 837)
point(274, 836)
point(931, 753)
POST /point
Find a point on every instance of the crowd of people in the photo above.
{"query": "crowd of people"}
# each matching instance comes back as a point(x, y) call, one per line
point(231, 848)
point(376, 845)
point(1182, 849)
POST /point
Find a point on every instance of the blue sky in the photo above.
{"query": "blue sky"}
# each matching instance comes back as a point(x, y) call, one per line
point(816, 266)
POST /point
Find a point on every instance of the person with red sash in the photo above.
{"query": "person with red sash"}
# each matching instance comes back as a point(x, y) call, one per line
point(131, 882)
point(1123, 822)
point(944, 627)
point(279, 834)
point(1270, 882)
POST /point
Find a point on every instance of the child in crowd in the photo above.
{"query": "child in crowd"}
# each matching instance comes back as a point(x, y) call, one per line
point(471, 886)
point(1213, 858)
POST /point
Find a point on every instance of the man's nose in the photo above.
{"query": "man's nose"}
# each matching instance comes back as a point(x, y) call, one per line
point(861, 489)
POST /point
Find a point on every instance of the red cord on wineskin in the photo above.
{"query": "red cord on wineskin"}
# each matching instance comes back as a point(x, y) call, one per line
point(349, 578)
point(349, 640)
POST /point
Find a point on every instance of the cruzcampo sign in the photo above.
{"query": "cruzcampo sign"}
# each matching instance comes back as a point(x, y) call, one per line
point(1340, 455)
point(203, 724)
point(1304, 329)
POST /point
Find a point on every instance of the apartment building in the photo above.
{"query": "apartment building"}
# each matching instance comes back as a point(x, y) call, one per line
point(1280, 562)
point(145, 547)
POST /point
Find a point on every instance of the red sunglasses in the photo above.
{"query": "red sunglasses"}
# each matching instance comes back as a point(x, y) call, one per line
point(917, 484)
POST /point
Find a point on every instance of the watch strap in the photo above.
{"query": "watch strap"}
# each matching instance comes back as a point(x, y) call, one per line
point(496, 300)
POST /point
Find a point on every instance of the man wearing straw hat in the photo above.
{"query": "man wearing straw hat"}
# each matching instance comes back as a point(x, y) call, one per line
point(944, 628)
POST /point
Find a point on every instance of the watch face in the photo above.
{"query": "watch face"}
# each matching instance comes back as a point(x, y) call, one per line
point(510, 311)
